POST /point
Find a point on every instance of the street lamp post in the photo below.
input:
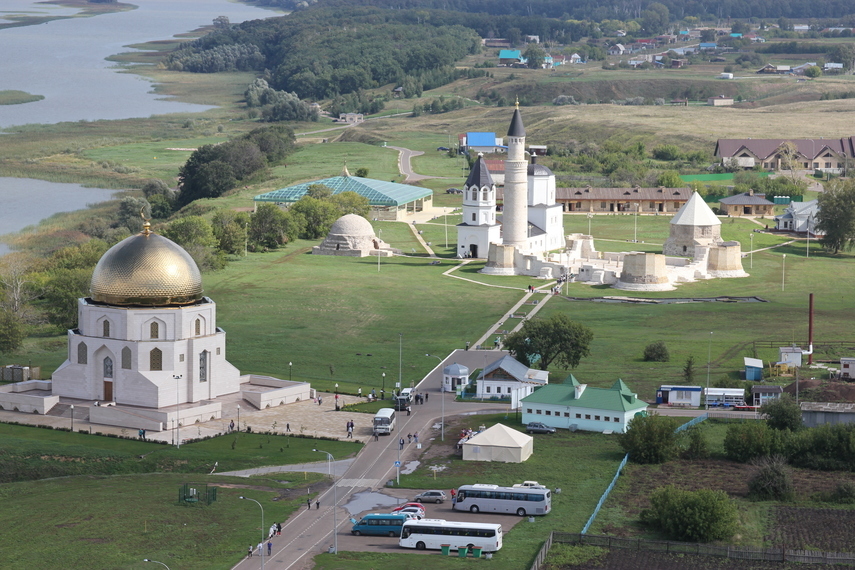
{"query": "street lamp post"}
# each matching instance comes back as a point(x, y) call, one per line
point(335, 501)
point(262, 527)
point(590, 215)
point(635, 224)
point(238, 417)
point(383, 389)
point(290, 364)
point(156, 562)
point(445, 223)
point(751, 253)
point(400, 359)
point(72, 418)
point(783, 270)
point(807, 254)
point(442, 397)
point(709, 358)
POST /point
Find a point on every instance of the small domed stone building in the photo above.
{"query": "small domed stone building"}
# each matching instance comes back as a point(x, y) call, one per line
point(353, 236)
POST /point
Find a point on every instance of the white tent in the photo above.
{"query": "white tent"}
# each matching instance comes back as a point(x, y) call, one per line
point(499, 443)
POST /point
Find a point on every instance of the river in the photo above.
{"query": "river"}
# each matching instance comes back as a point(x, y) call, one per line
point(64, 60)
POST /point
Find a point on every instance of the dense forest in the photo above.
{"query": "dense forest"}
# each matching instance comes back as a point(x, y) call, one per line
point(598, 10)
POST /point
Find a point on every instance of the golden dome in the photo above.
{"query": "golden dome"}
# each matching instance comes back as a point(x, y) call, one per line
point(146, 269)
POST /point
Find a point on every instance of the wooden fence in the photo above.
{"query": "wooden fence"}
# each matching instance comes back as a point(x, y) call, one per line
point(670, 547)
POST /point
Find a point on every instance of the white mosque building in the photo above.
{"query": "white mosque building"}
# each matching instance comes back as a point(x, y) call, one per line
point(147, 352)
point(532, 221)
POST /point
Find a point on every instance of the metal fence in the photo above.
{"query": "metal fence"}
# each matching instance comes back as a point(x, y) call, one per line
point(692, 422)
point(606, 494)
point(733, 552)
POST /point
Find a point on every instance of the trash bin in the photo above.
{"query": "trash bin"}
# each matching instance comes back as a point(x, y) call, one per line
point(446, 548)
point(476, 551)
point(461, 551)
point(488, 556)
point(332, 549)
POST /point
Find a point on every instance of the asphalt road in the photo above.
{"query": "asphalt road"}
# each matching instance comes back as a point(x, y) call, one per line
point(309, 532)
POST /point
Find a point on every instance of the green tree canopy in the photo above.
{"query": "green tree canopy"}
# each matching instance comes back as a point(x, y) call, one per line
point(270, 226)
point(836, 216)
point(318, 216)
point(650, 439)
point(535, 56)
point(696, 516)
point(782, 413)
point(544, 341)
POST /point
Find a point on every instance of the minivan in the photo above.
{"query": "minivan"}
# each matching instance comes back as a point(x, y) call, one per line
point(379, 524)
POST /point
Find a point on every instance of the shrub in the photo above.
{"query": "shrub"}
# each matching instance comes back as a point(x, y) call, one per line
point(650, 439)
point(667, 152)
point(697, 516)
point(782, 413)
point(697, 447)
point(565, 100)
point(772, 479)
point(748, 440)
point(656, 352)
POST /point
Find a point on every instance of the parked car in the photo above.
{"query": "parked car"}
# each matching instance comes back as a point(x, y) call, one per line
point(454, 191)
point(442, 148)
point(430, 497)
point(530, 485)
point(537, 427)
point(411, 512)
point(405, 505)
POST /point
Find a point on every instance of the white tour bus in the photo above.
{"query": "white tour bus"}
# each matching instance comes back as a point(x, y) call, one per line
point(495, 499)
point(384, 421)
point(434, 533)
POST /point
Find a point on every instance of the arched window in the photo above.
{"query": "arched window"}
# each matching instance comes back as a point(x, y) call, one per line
point(126, 358)
point(155, 358)
point(203, 366)
point(198, 326)
point(106, 326)
point(82, 357)
point(155, 330)
point(108, 367)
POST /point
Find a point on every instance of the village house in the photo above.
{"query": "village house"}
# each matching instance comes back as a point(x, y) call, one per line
point(510, 57)
point(576, 406)
point(617, 49)
point(799, 217)
point(720, 101)
point(827, 155)
point(506, 377)
point(659, 200)
point(747, 204)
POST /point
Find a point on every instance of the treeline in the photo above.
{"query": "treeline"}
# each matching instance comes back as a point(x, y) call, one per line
point(322, 53)
point(598, 10)
point(213, 170)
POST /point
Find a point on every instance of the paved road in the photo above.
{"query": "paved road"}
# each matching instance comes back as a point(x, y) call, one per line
point(308, 532)
point(404, 157)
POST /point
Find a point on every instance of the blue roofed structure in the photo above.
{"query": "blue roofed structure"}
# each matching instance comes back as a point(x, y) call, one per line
point(483, 142)
point(388, 200)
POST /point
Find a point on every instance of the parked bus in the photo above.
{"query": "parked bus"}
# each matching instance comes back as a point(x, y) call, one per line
point(495, 499)
point(384, 421)
point(433, 533)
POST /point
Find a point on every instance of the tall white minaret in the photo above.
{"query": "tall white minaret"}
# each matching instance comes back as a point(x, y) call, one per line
point(515, 215)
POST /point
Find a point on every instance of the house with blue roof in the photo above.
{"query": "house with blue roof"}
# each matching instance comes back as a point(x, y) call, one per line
point(389, 201)
point(487, 143)
point(576, 406)
point(510, 57)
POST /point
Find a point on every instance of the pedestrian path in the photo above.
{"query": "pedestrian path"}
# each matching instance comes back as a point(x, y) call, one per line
point(336, 467)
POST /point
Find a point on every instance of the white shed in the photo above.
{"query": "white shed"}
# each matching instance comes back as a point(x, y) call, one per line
point(499, 443)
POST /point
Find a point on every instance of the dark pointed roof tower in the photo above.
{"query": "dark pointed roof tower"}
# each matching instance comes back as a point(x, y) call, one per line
point(516, 129)
point(479, 176)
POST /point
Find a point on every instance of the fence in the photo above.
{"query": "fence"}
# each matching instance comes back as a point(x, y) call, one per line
point(606, 494)
point(690, 423)
point(732, 552)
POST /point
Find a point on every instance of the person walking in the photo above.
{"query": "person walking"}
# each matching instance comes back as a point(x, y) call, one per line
point(409, 438)
point(376, 436)
point(426, 397)
point(359, 392)
point(401, 444)
point(309, 504)
point(320, 400)
point(140, 433)
point(318, 505)
point(269, 548)
point(249, 552)
point(416, 437)
point(260, 548)
point(287, 427)
point(278, 529)
point(408, 410)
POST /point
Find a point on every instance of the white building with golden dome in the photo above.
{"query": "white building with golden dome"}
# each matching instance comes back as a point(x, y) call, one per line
point(146, 335)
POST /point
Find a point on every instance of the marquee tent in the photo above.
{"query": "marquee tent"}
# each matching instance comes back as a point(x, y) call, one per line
point(499, 443)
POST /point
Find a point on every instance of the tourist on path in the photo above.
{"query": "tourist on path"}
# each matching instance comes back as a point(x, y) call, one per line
point(269, 548)
point(401, 444)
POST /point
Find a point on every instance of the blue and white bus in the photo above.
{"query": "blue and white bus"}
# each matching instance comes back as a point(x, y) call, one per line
point(432, 534)
point(494, 499)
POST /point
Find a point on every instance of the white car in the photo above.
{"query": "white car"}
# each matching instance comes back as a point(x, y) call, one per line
point(411, 513)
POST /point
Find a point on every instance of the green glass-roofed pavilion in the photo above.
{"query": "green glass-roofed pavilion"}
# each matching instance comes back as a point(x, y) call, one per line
point(389, 201)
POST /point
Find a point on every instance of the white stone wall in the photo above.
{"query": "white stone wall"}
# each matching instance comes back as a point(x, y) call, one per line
point(515, 215)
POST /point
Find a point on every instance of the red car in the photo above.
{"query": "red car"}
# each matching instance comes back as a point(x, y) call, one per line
point(405, 505)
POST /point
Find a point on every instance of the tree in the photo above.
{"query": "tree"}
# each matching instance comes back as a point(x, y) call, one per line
point(361, 172)
point(697, 447)
point(782, 413)
point(542, 341)
point(695, 516)
point(669, 179)
point(535, 55)
point(16, 283)
point(790, 159)
point(319, 191)
point(131, 213)
point(230, 230)
point(318, 215)
point(13, 331)
point(746, 441)
point(772, 479)
point(813, 71)
point(689, 370)
point(351, 203)
point(656, 352)
point(843, 53)
point(270, 227)
point(650, 439)
point(61, 291)
point(708, 35)
point(195, 235)
point(656, 18)
point(836, 216)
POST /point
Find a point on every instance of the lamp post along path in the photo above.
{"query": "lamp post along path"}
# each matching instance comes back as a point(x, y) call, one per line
point(262, 527)
point(441, 395)
point(335, 501)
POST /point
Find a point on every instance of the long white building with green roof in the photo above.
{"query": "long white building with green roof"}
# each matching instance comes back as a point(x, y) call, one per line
point(389, 201)
point(576, 406)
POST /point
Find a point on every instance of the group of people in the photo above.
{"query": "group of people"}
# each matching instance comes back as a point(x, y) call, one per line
point(275, 530)
point(411, 437)
point(142, 434)
point(349, 426)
